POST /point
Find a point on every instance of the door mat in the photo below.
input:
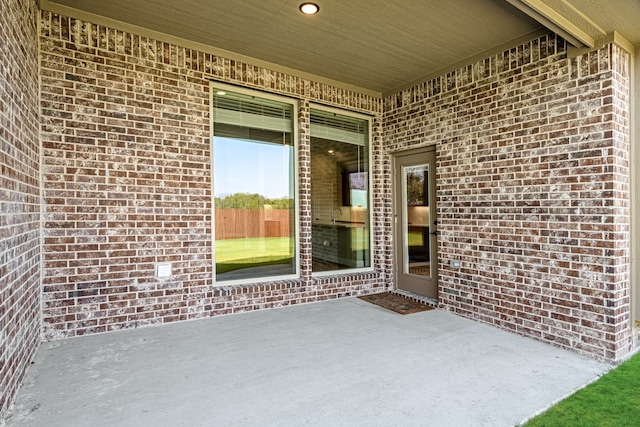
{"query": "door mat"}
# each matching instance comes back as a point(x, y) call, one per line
point(396, 303)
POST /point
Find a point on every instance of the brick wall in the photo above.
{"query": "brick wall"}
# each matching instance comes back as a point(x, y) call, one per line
point(533, 191)
point(127, 182)
point(325, 177)
point(19, 195)
point(532, 186)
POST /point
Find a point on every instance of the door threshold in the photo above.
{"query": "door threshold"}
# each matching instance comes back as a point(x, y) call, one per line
point(415, 297)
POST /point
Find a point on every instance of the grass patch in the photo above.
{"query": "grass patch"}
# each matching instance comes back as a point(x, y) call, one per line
point(611, 401)
point(235, 254)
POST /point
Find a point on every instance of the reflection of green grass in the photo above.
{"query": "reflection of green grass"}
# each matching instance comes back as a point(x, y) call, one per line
point(359, 239)
point(234, 254)
point(613, 400)
point(415, 238)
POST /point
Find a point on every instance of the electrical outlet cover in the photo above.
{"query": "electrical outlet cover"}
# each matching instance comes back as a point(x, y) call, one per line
point(163, 270)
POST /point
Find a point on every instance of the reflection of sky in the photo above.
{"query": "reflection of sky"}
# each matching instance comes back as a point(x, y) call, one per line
point(251, 167)
point(358, 180)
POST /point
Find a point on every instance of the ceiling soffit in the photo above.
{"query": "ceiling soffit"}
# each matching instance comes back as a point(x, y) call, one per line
point(585, 22)
point(377, 45)
point(373, 46)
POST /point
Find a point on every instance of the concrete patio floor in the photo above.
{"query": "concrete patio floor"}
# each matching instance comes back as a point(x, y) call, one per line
point(336, 363)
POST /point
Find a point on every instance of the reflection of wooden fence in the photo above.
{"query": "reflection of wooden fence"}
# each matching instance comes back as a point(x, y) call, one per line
point(237, 223)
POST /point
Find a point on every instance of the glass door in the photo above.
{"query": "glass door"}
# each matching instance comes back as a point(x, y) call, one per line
point(415, 221)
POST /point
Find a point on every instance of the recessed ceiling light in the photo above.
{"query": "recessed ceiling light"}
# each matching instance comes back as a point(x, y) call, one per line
point(221, 92)
point(309, 8)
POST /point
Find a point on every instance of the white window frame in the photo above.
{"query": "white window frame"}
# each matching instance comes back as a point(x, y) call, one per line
point(369, 119)
point(216, 86)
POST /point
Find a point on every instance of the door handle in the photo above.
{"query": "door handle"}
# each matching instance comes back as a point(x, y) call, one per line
point(435, 233)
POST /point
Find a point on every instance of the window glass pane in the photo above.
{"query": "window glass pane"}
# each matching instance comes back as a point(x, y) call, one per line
point(417, 252)
point(253, 188)
point(339, 191)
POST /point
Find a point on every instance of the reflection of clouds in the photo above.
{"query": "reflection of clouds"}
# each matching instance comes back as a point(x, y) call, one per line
point(358, 181)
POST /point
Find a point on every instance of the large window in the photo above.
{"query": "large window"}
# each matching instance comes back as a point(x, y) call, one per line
point(253, 185)
point(340, 182)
